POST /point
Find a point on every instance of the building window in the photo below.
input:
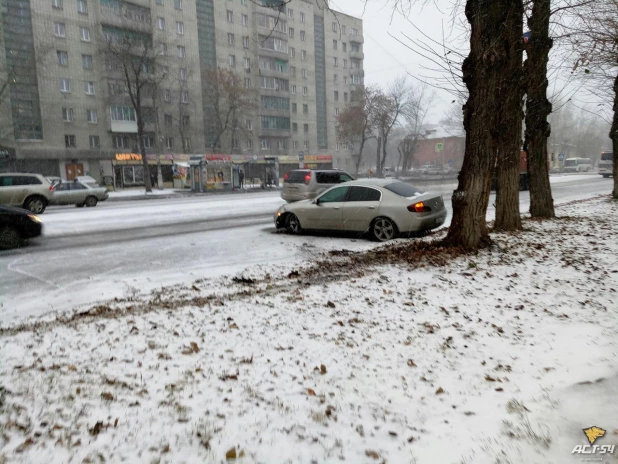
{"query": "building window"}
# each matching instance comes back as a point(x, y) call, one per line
point(148, 141)
point(63, 58)
point(94, 141)
point(185, 121)
point(122, 113)
point(345, 46)
point(167, 120)
point(306, 128)
point(159, 2)
point(294, 127)
point(180, 27)
point(249, 143)
point(184, 96)
point(182, 74)
point(161, 24)
point(181, 51)
point(305, 108)
point(334, 26)
point(82, 7)
point(335, 61)
point(243, 2)
point(302, 36)
point(178, 4)
point(186, 144)
point(69, 141)
point(355, 32)
point(335, 78)
point(91, 116)
point(305, 90)
point(336, 111)
point(345, 80)
point(120, 141)
point(60, 30)
point(290, 13)
point(345, 96)
point(57, 4)
point(291, 32)
point(336, 95)
point(245, 42)
point(87, 61)
point(264, 144)
point(167, 95)
point(84, 32)
point(169, 142)
point(232, 61)
point(247, 63)
point(230, 16)
point(67, 114)
point(65, 85)
point(245, 20)
point(294, 107)
point(303, 55)
point(295, 144)
point(281, 144)
point(249, 124)
point(293, 71)
point(306, 145)
point(293, 90)
point(230, 39)
point(292, 52)
point(304, 72)
point(247, 82)
point(334, 44)
point(344, 29)
point(345, 63)
point(162, 48)
point(302, 17)
point(89, 87)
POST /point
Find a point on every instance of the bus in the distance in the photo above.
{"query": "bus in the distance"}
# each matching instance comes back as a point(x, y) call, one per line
point(606, 163)
point(577, 165)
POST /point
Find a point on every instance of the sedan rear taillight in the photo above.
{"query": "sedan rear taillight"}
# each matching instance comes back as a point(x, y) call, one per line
point(419, 208)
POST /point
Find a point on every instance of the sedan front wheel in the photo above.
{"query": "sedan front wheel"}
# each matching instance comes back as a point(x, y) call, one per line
point(292, 224)
point(383, 229)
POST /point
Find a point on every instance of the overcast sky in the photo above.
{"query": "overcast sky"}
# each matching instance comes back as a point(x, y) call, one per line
point(385, 57)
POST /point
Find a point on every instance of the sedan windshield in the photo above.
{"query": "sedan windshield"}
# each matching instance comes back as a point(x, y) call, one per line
point(403, 189)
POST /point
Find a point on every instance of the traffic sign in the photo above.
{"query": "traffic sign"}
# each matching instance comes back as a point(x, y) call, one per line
point(561, 156)
point(301, 155)
point(439, 146)
point(450, 162)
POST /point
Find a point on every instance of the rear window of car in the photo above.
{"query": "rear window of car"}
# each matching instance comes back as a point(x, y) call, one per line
point(364, 194)
point(7, 181)
point(607, 156)
point(296, 177)
point(326, 177)
point(403, 189)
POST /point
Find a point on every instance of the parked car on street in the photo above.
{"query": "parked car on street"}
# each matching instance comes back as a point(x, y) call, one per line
point(78, 193)
point(385, 208)
point(17, 225)
point(29, 191)
point(303, 184)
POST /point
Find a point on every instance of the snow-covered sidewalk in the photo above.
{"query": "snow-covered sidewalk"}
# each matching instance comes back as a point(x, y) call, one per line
point(402, 354)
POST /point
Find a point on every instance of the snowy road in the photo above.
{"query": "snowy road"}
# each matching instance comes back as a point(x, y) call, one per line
point(88, 255)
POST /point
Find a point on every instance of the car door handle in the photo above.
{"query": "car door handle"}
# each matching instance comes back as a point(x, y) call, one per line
point(371, 207)
point(336, 207)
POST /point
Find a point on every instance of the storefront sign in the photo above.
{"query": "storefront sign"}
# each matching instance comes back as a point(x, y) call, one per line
point(218, 157)
point(128, 157)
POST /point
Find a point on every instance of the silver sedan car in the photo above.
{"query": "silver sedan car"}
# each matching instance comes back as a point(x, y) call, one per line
point(78, 193)
point(385, 208)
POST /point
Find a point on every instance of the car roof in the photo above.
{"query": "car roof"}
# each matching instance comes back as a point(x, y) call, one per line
point(20, 174)
point(371, 182)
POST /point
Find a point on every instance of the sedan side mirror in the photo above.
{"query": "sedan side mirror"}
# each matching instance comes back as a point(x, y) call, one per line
point(316, 201)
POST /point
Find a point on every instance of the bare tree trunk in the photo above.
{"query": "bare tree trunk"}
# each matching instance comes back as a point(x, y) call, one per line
point(538, 109)
point(614, 136)
point(510, 125)
point(383, 162)
point(378, 164)
point(360, 156)
point(484, 72)
point(142, 146)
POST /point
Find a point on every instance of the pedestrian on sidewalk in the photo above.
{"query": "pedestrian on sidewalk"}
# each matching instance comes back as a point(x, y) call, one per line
point(241, 178)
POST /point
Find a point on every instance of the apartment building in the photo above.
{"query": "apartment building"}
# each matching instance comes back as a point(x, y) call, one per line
point(72, 114)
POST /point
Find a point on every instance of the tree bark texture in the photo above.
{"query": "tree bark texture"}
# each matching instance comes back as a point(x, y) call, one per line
point(378, 164)
point(485, 73)
point(360, 155)
point(510, 123)
point(614, 136)
point(538, 109)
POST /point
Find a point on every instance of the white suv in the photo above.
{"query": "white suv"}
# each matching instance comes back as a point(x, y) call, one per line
point(28, 191)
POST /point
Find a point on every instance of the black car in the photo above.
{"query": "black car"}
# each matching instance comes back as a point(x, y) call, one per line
point(17, 225)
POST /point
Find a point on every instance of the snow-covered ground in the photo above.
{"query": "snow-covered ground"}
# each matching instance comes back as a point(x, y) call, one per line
point(401, 354)
point(140, 192)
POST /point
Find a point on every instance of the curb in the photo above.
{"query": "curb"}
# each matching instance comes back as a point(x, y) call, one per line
point(180, 194)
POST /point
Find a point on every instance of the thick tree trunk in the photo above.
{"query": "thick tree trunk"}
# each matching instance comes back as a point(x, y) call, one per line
point(378, 164)
point(142, 150)
point(614, 136)
point(510, 125)
point(485, 71)
point(383, 162)
point(538, 109)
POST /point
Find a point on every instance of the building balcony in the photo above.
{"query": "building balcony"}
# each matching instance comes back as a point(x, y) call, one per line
point(126, 127)
point(356, 39)
point(274, 112)
point(126, 18)
point(273, 73)
point(357, 56)
point(275, 133)
point(274, 54)
point(275, 93)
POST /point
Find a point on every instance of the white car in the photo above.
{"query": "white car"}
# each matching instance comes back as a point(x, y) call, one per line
point(78, 193)
point(385, 208)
